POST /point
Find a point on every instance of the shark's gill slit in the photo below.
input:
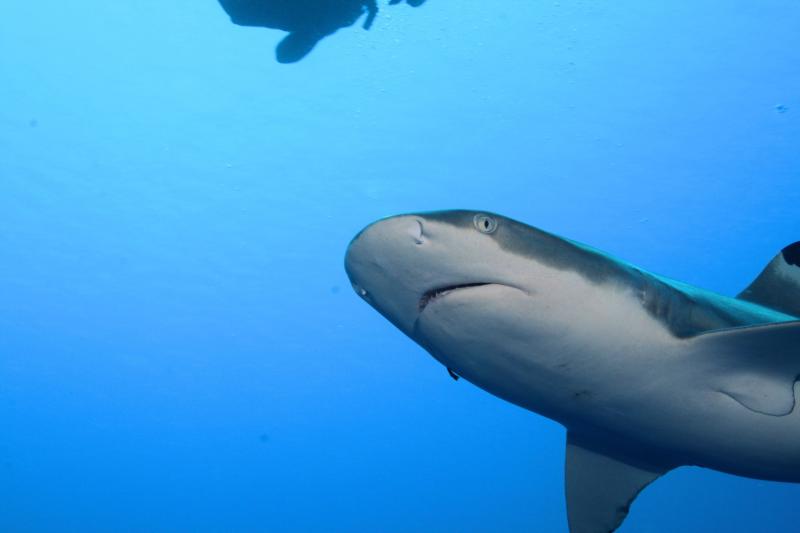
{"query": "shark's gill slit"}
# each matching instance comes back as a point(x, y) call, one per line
point(432, 294)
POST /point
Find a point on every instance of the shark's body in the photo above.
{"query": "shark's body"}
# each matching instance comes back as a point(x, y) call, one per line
point(647, 374)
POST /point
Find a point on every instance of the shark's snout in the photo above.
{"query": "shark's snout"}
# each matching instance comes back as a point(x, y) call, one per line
point(379, 240)
point(382, 262)
point(389, 232)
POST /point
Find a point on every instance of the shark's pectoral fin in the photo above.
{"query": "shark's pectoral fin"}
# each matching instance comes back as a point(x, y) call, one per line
point(756, 365)
point(600, 488)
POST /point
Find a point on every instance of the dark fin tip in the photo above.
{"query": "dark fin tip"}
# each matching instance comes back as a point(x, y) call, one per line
point(453, 374)
point(791, 254)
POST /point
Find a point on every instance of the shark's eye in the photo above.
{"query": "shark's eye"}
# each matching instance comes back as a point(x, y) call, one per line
point(485, 223)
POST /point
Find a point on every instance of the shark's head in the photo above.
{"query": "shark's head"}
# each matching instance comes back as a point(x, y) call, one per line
point(470, 287)
point(406, 265)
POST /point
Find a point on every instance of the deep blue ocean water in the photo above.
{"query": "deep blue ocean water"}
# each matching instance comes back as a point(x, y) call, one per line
point(180, 349)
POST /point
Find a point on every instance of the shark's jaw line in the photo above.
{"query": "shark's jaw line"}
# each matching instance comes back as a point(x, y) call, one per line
point(439, 292)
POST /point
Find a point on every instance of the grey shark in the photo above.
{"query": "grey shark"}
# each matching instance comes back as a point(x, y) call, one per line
point(647, 374)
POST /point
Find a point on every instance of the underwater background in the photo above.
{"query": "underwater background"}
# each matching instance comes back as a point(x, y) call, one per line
point(180, 349)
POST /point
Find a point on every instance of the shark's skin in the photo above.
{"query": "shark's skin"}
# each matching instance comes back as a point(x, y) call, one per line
point(647, 374)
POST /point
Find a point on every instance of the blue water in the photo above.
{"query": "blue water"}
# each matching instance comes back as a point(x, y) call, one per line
point(180, 350)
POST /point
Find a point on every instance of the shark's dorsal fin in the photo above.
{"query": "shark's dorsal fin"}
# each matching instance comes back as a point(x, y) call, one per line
point(755, 365)
point(600, 488)
point(778, 286)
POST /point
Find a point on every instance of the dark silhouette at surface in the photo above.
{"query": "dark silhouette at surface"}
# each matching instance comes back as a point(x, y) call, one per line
point(307, 21)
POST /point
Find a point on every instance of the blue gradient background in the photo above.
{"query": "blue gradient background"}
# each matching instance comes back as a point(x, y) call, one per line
point(180, 349)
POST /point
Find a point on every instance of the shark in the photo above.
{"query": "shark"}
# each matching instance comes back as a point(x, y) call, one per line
point(646, 373)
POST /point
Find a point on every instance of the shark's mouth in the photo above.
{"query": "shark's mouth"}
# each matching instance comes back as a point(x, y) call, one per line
point(438, 292)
